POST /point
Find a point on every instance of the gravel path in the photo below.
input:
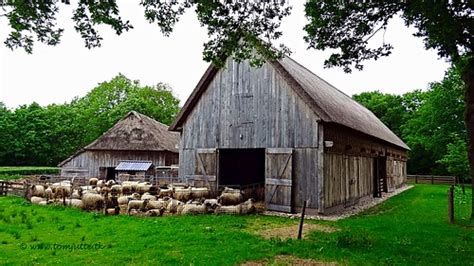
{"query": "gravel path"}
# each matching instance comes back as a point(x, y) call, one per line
point(362, 205)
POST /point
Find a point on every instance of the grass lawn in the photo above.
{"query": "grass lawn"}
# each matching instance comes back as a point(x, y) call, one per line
point(410, 228)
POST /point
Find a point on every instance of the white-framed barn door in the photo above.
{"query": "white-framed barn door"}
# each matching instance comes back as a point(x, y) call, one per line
point(278, 179)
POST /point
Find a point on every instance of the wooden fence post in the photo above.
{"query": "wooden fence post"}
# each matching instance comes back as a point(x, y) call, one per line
point(451, 204)
point(432, 179)
point(416, 179)
point(300, 231)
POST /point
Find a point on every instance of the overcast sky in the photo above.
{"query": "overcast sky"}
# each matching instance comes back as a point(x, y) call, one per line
point(57, 74)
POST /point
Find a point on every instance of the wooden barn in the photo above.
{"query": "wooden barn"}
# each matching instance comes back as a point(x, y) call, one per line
point(284, 128)
point(136, 137)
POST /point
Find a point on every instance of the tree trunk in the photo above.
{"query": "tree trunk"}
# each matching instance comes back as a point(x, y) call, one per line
point(468, 78)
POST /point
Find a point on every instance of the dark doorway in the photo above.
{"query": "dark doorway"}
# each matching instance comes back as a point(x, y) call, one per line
point(380, 176)
point(241, 167)
point(110, 173)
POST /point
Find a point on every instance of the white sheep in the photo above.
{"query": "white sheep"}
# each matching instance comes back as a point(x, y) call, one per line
point(117, 189)
point(143, 188)
point(230, 197)
point(48, 193)
point(211, 204)
point(228, 209)
point(148, 196)
point(248, 207)
point(182, 194)
point(172, 206)
point(92, 201)
point(93, 181)
point(76, 203)
point(193, 209)
point(137, 205)
point(123, 200)
point(37, 190)
point(157, 204)
point(198, 193)
point(155, 212)
point(37, 200)
point(166, 192)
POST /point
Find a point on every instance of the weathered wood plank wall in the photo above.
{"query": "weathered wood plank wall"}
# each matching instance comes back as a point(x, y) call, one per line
point(87, 163)
point(254, 108)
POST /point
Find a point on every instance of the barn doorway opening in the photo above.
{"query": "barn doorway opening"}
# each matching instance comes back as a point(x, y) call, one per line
point(243, 169)
point(110, 173)
point(380, 176)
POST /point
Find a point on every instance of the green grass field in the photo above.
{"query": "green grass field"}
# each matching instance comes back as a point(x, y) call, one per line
point(410, 228)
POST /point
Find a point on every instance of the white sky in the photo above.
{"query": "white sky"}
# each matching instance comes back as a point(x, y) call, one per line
point(57, 74)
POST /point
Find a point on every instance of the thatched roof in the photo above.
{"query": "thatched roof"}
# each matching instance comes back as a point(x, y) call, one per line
point(328, 103)
point(134, 132)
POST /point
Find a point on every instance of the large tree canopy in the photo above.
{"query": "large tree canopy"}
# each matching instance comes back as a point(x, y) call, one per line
point(36, 135)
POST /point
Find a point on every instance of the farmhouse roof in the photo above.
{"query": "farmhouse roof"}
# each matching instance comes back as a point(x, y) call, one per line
point(328, 103)
point(134, 132)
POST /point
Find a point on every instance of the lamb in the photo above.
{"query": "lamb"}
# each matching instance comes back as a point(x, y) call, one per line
point(137, 205)
point(198, 193)
point(92, 201)
point(230, 197)
point(37, 200)
point(93, 181)
point(76, 194)
point(148, 196)
point(136, 196)
point(182, 194)
point(38, 190)
point(194, 209)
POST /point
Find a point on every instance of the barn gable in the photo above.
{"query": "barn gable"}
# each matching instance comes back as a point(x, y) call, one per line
point(328, 103)
point(134, 137)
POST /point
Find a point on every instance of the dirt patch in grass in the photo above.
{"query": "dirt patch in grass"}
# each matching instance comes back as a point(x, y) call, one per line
point(292, 231)
point(287, 260)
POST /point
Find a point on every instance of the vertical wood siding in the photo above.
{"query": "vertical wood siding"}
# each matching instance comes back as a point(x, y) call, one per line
point(346, 178)
point(92, 160)
point(244, 107)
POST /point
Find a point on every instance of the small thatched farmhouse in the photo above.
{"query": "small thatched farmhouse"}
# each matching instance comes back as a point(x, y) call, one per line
point(134, 142)
point(284, 128)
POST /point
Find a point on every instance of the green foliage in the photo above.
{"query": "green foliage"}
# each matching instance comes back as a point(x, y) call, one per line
point(235, 28)
point(36, 135)
point(402, 230)
point(431, 122)
point(455, 160)
point(347, 27)
point(28, 170)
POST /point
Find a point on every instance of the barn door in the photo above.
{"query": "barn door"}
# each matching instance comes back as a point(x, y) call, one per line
point(206, 169)
point(278, 179)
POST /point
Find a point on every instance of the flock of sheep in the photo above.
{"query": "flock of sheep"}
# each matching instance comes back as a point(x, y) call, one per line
point(141, 198)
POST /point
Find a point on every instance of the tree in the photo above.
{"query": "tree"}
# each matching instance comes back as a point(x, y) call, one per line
point(104, 105)
point(387, 107)
point(446, 26)
point(235, 28)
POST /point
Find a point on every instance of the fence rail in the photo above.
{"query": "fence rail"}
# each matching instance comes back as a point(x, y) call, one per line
point(432, 179)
